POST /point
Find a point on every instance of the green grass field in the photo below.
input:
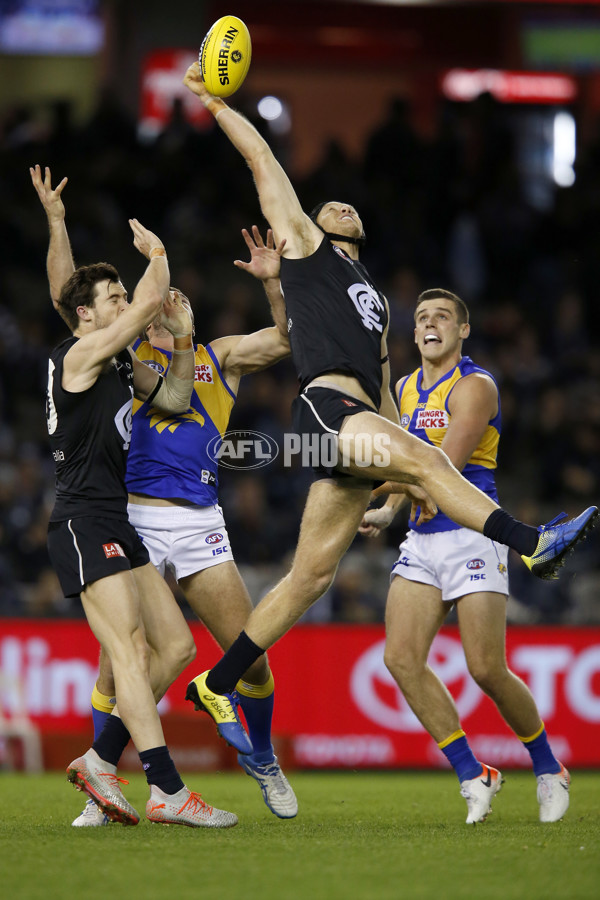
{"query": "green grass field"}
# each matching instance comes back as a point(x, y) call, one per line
point(357, 835)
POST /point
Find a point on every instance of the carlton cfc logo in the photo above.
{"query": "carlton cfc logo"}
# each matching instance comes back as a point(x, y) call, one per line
point(475, 564)
point(214, 538)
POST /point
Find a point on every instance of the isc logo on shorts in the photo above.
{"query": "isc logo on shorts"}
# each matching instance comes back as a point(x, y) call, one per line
point(214, 538)
point(111, 550)
point(475, 564)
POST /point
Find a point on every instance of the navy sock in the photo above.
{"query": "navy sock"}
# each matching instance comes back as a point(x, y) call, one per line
point(160, 769)
point(224, 676)
point(99, 718)
point(460, 756)
point(501, 527)
point(258, 712)
point(111, 741)
point(542, 757)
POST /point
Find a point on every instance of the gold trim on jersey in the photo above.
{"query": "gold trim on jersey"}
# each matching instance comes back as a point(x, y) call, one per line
point(208, 385)
point(485, 453)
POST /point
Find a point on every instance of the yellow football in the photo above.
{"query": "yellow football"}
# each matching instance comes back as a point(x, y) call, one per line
point(225, 56)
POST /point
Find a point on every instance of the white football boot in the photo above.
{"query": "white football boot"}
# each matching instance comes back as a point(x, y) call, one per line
point(553, 795)
point(479, 793)
point(186, 808)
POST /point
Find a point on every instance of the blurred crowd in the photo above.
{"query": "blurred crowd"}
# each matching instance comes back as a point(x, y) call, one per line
point(452, 211)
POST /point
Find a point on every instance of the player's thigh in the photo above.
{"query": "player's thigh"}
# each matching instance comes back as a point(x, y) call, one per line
point(112, 608)
point(396, 452)
point(482, 623)
point(164, 624)
point(218, 596)
point(414, 614)
point(333, 512)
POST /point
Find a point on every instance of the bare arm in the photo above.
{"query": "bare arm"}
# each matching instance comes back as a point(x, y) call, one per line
point(265, 261)
point(173, 392)
point(86, 359)
point(278, 200)
point(59, 262)
point(473, 402)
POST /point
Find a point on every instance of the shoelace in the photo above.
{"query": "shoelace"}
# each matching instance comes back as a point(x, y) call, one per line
point(272, 770)
point(553, 522)
point(197, 804)
point(113, 780)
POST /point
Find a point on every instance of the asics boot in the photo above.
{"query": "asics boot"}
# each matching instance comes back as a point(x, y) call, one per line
point(553, 795)
point(556, 540)
point(186, 808)
point(98, 779)
point(479, 793)
point(91, 817)
point(276, 789)
point(223, 709)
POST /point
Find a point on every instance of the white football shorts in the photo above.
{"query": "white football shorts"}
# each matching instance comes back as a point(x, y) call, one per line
point(186, 539)
point(457, 562)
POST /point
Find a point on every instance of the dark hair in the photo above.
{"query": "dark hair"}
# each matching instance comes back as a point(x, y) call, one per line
point(462, 312)
point(80, 288)
point(314, 214)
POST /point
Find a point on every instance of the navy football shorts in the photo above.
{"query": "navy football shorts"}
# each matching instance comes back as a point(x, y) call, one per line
point(319, 412)
point(85, 549)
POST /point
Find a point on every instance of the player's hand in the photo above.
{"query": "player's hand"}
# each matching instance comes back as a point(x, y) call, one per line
point(193, 80)
point(176, 315)
point(265, 259)
point(143, 239)
point(375, 521)
point(50, 198)
point(417, 495)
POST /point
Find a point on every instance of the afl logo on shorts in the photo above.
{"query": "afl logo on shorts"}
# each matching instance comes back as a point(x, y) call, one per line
point(475, 564)
point(214, 538)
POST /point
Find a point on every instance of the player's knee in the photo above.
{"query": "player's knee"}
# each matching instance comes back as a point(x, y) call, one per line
point(486, 674)
point(399, 662)
point(182, 653)
point(311, 583)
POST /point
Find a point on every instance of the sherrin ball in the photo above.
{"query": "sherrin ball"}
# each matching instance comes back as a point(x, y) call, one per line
point(225, 56)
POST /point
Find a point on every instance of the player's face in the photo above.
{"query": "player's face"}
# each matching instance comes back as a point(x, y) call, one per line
point(438, 333)
point(110, 300)
point(340, 218)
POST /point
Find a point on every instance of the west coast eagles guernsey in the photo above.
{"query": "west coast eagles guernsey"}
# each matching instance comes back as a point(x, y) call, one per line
point(425, 414)
point(174, 456)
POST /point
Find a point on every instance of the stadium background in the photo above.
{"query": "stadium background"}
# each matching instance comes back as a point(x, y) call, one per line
point(495, 197)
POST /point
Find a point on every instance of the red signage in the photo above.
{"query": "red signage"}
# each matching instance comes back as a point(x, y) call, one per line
point(509, 87)
point(162, 83)
point(336, 704)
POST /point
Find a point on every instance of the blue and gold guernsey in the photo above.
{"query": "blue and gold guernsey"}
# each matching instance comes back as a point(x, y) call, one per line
point(173, 457)
point(425, 414)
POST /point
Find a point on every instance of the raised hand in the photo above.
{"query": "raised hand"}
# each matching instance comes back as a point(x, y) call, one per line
point(176, 314)
point(143, 239)
point(265, 259)
point(50, 197)
point(193, 80)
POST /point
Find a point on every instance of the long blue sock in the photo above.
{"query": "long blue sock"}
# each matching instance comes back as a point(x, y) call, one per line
point(542, 757)
point(257, 702)
point(102, 707)
point(460, 756)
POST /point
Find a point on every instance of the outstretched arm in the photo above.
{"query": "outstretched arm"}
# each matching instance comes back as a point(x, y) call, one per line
point(265, 260)
point(88, 356)
point(59, 262)
point(278, 200)
point(173, 392)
